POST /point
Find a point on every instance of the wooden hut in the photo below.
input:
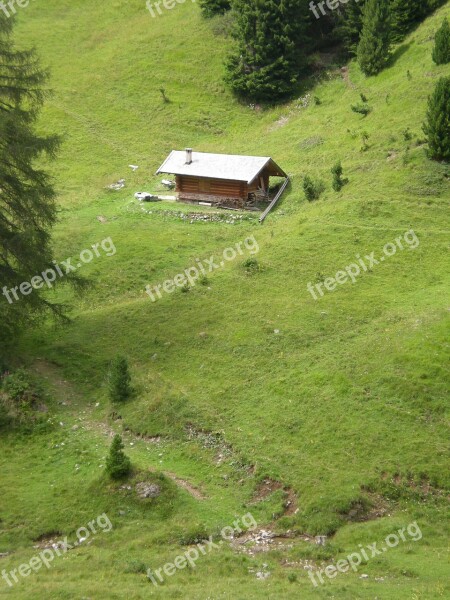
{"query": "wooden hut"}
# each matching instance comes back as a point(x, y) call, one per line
point(227, 180)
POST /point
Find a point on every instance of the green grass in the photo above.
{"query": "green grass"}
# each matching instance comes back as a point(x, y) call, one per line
point(345, 405)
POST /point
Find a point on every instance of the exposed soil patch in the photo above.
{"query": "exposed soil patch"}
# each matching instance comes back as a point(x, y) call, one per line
point(48, 536)
point(360, 511)
point(346, 77)
point(269, 486)
point(193, 491)
point(264, 489)
point(48, 540)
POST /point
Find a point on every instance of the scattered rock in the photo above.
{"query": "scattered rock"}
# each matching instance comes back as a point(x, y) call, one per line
point(102, 219)
point(117, 186)
point(75, 427)
point(148, 490)
point(321, 540)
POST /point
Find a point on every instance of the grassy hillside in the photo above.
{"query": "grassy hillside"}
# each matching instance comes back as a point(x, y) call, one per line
point(245, 378)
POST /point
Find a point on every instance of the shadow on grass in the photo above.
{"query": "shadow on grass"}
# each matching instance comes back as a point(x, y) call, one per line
point(398, 53)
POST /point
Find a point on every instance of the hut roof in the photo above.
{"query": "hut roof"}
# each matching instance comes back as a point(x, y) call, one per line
point(219, 166)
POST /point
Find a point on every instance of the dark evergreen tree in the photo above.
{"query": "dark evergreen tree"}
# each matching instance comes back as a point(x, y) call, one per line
point(118, 465)
point(441, 50)
point(437, 125)
point(119, 380)
point(269, 56)
point(27, 196)
point(210, 8)
point(375, 42)
point(351, 25)
point(404, 15)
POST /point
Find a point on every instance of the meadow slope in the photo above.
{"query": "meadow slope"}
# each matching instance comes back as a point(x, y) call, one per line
point(244, 378)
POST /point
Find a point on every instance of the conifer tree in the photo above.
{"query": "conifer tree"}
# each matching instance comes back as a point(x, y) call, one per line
point(119, 380)
point(27, 196)
point(437, 125)
point(351, 25)
point(210, 8)
point(118, 464)
point(404, 15)
point(441, 50)
point(269, 53)
point(374, 45)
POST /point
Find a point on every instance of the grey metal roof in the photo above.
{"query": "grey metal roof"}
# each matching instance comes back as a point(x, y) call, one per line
point(218, 166)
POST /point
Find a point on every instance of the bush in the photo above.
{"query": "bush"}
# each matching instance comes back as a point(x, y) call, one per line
point(119, 380)
point(251, 265)
point(210, 8)
point(19, 396)
point(362, 109)
point(407, 135)
point(313, 189)
point(118, 465)
point(437, 124)
point(338, 182)
point(365, 138)
point(441, 50)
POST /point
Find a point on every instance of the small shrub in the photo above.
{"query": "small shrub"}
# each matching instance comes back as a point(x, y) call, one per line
point(19, 396)
point(185, 288)
point(313, 189)
point(338, 182)
point(136, 567)
point(407, 135)
point(441, 50)
point(118, 465)
point(17, 384)
point(292, 577)
point(204, 280)
point(317, 101)
point(362, 109)
point(194, 535)
point(119, 380)
point(251, 265)
point(210, 8)
point(365, 138)
point(364, 98)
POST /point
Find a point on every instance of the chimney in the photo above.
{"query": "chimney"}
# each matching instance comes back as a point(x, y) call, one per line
point(188, 156)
